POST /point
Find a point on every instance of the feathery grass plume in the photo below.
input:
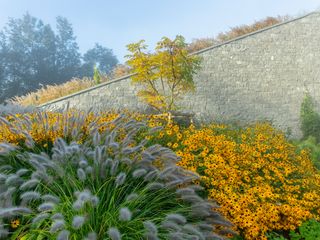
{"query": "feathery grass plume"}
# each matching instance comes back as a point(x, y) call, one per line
point(146, 155)
point(14, 211)
point(50, 198)
point(57, 225)
point(139, 173)
point(63, 235)
point(114, 145)
point(32, 183)
point(13, 180)
point(22, 172)
point(3, 178)
point(94, 201)
point(91, 236)
point(174, 183)
point(40, 217)
point(177, 236)
point(5, 168)
point(202, 209)
point(177, 218)
point(155, 186)
point(150, 236)
point(120, 179)
point(126, 161)
point(125, 214)
point(57, 216)
point(114, 167)
point(47, 206)
point(89, 170)
point(96, 138)
point(78, 221)
point(185, 191)
point(132, 197)
point(150, 227)
point(151, 175)
point(171, 226)
point(206, 226)
point(7, 196)
point(114, 233)
point(37, 165)
point(42, 176)
point(29, 196)
point(191, 198)
point(83, 163)
point(85, 195)
point(188, 228)
point(81, 174)
point(98, 155)
point(77, 205)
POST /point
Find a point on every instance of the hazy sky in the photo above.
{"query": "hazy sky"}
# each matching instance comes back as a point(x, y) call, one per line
point(116, 23)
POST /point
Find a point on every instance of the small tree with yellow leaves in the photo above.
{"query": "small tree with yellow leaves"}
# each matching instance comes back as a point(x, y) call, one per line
point(166, 74)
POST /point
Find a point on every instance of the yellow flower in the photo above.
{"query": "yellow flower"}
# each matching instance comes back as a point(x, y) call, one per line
point(160, 135)
point(175, 145)
point(15, 223)
point(169, 132)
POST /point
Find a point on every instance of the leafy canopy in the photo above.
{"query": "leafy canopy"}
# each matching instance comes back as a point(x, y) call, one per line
point(165, 74)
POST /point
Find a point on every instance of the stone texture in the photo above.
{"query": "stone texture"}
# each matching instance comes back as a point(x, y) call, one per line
point(260, 76)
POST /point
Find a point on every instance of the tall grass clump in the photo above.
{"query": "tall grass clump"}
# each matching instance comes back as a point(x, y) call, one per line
point(107, 185)
point(10, 108)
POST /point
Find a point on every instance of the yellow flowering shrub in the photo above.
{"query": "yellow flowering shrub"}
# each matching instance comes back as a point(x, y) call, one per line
point(256, 176)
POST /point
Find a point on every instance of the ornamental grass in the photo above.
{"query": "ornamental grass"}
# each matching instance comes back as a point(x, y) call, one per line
point(77, 176)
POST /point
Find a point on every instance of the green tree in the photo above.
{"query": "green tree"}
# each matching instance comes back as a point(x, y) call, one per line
point(96, 75)
point(68, 56)
point(28, 55)
point(100, 57)
point(32, 54)
point(166, 74)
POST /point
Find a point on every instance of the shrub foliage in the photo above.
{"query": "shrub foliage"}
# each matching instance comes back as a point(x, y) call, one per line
point(164, 75)
point(310, 119)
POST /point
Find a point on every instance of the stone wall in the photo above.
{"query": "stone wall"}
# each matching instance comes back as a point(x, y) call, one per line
point(260, 76)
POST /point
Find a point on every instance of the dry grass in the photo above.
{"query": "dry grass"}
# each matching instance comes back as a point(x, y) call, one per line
point(201, 43)
point(118, 71)
point(245, 29)
point(235, 32)
point(50, 92)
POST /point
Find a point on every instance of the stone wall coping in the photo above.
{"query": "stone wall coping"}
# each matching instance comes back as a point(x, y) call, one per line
point(86, 90)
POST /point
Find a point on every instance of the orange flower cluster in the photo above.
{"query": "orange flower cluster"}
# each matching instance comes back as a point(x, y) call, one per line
point(255, 175)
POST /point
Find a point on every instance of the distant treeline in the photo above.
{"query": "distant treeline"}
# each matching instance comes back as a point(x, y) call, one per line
point(32, 54)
